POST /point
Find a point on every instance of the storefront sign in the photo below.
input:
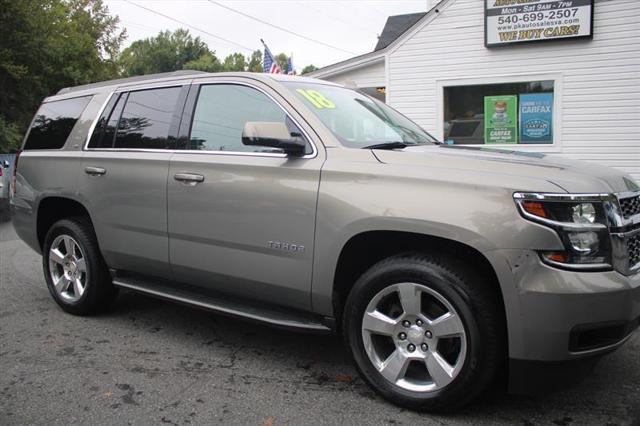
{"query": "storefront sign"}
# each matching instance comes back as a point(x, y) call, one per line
point(500, 119)
point(518, 21)
point(536, 118)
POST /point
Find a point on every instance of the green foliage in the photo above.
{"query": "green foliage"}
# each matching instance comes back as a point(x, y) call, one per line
point(255, 62)
point(308, 69)
point(235, 62)
point(46, 45)
point(206, 62)
point(168, 51)
point(10, 136)
point(172, 51)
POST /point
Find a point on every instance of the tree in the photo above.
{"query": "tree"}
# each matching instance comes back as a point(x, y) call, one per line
point(234, 62)
point(206, 62)
point(255, 62)
point(168, 51)
point(308, 69)
point(46, 45)
point(10, 136)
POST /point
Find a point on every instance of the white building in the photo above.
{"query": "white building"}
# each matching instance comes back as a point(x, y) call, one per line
point(436, 68)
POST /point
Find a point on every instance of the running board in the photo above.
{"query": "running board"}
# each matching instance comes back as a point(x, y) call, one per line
point(224, 307)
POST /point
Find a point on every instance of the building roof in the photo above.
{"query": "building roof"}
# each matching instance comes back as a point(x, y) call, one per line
point(395, 27)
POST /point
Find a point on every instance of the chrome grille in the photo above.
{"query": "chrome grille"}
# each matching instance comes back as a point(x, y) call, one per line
point(625, 232)
point(630, 206)
point(633, 249)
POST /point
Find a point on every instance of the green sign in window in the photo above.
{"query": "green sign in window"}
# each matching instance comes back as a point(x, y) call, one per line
point(501, 119)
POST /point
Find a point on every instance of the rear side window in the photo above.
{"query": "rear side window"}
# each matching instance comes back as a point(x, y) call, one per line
point(146, 119)
point(54, 122)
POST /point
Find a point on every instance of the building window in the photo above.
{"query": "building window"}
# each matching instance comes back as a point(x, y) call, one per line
point(496, 114)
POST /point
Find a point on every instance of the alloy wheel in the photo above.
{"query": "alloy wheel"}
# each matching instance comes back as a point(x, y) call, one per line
point(68, 268)
point(414, 337)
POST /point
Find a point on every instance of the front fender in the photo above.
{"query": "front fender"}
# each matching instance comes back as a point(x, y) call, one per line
point(359, 195)
point(328, 249)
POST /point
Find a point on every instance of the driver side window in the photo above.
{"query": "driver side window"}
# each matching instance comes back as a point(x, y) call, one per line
point(220, 115)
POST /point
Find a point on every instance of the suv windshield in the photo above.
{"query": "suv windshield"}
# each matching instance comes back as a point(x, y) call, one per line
point(358, 120)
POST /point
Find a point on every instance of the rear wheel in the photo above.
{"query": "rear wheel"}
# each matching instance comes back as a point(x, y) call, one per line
point(424, 332)
point(76, 275)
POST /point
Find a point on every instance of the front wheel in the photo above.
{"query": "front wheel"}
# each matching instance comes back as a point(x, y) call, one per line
point(425, 333)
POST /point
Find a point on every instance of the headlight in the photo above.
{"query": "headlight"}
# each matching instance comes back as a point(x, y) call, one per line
point(584, 213)
point(581, 225)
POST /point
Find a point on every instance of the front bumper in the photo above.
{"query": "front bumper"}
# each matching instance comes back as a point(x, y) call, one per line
point(560, 322)
point(568, 315)
point(557, 315)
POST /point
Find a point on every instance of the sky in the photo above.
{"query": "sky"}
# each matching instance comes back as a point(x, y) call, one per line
point(328, 31)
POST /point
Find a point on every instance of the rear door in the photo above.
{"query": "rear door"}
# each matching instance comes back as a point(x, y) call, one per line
point(245, 224)
point(124, 179)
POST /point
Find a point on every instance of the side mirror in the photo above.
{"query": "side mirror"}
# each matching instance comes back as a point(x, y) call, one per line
point(272, 134)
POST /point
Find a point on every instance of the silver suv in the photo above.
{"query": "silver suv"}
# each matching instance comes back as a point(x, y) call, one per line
point(303, 204)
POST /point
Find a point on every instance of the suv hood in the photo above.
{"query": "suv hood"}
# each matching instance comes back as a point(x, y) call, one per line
point(570, 175)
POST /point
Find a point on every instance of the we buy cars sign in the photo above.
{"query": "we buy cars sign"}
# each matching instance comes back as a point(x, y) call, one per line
point(520, 21)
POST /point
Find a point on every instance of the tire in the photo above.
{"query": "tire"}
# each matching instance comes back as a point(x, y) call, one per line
point(471, 346)
point(71, 258)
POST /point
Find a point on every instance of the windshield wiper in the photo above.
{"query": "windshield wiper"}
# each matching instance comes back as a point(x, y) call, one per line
point(387, 145)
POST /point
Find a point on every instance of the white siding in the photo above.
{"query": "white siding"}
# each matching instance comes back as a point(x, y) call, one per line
point(371, 75)
point(599, 80)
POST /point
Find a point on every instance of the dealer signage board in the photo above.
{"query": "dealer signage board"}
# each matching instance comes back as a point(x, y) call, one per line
point(520, 21)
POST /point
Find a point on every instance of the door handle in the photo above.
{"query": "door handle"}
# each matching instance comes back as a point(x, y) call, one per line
point(95, 171)
point(188, 178)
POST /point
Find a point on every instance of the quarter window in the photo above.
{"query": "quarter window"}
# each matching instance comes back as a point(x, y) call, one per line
point(53, 123)
point(221, 113)
point(146, 119)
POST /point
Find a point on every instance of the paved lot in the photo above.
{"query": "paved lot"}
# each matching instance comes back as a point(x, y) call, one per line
point(148, 361)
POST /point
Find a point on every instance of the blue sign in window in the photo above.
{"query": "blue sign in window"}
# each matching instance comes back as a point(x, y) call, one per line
point(536, 118)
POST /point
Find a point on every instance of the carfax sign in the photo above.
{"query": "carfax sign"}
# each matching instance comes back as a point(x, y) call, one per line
point(519, 21)
point(500, 119)
point(536, 118)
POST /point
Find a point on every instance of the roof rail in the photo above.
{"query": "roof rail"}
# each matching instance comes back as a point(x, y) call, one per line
point(136, 79)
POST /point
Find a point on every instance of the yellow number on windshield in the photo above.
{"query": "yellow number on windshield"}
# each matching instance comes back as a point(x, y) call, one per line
point(316, 99)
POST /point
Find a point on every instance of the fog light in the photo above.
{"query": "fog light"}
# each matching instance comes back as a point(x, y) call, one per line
point(584, 242)
point(584, 213)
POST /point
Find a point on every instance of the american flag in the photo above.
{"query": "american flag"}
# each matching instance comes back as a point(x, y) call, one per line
point(290, 69)
point(269, 64)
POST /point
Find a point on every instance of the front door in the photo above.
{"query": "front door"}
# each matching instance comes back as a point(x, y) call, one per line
point(241, 218)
